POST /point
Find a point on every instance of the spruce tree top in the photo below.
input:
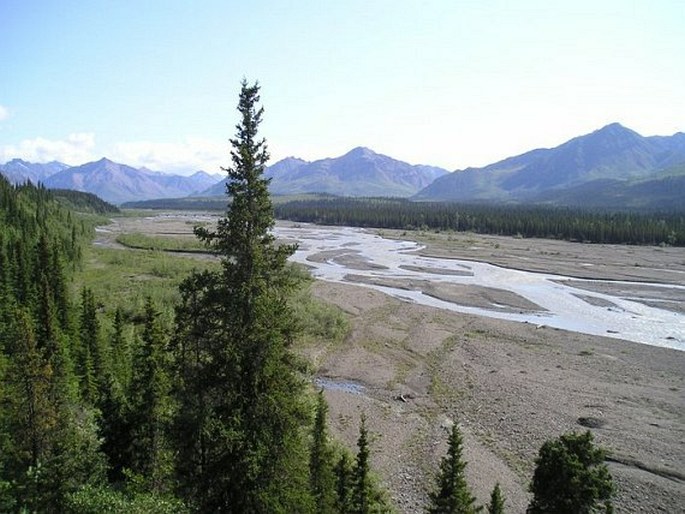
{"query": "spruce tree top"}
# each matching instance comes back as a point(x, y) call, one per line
point(249, 214)
point(243, 237)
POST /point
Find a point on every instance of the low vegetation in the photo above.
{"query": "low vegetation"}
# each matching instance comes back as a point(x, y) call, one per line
point(162, 243)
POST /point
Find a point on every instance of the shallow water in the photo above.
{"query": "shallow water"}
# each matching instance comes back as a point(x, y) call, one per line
point(562, 305)
point(339, 385)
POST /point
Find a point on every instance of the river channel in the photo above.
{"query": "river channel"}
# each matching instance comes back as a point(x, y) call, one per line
point(354, 255)
point(643, 312)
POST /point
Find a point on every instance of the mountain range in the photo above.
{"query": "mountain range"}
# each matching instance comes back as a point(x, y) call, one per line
point(111, 181)
point(612, 167)
point(18, 170)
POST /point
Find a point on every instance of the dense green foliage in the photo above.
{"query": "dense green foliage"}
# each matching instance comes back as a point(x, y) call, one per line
point(240, 426)
point(49, 443)
point(102, 409)
point(571, 477)
point(647, 228)
point(640, 227)
point(321, 460)
point(83, 202)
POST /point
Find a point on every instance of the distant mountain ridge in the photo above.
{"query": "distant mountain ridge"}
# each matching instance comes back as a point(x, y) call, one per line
point(613, 158)
point(613, 167)
point(359, 172)
point(111, 181)
point(18, 170)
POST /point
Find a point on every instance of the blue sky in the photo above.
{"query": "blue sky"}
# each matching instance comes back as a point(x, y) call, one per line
point(452, 83)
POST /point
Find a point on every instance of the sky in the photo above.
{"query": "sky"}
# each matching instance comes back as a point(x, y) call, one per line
point(449, 83)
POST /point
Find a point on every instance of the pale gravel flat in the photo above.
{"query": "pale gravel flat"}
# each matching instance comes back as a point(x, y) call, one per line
point(511, 386)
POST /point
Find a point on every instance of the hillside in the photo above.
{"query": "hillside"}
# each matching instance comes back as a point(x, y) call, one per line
point(611, 167)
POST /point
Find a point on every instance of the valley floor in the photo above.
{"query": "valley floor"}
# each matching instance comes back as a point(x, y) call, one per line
point(415, 369)
point(511, 386)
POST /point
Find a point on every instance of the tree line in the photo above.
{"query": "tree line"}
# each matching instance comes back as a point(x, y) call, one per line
point(211, 412)
point(616, 227)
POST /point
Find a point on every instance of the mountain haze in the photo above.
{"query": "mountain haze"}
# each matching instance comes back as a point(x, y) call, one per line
point(613, 167)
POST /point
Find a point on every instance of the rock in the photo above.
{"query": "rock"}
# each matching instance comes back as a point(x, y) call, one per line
point(591, 422)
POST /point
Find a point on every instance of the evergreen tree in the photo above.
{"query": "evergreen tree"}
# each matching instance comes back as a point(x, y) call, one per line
point(496, 505)
point(571, 477)
point(54, 447)
point(343, 484)
point(91, 358)
point(58, 286)
point(238, 430)
point(120, 351)
point(366, 496)
point(22, 275)
point(49, 444)
point(452, 495)
point(6, 295)
point(362, 488)
point(151, 404)
point(321, 477)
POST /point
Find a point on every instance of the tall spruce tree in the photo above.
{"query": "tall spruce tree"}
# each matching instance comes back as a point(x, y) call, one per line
point(238, 432)
point(343, 484)
point(89, 353)
point(452, 494)
point(151, 404)
point(362, 491)
point(321, 476)
point(366, 495)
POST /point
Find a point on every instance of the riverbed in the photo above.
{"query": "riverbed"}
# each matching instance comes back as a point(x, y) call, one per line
point(397, 268)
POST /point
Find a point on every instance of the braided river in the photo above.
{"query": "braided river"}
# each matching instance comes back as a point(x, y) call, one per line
point(356, 256)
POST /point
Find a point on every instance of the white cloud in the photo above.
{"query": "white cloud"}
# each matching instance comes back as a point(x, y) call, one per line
point(192, 155)
point(74, 150)
point(4, 113)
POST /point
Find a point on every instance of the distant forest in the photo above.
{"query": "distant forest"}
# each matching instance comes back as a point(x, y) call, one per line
point(547, 222)
point(640, 228)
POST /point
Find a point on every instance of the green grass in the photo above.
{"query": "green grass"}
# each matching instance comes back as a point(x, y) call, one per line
point(442, 392)
point(124, 278)
point(179, 243)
